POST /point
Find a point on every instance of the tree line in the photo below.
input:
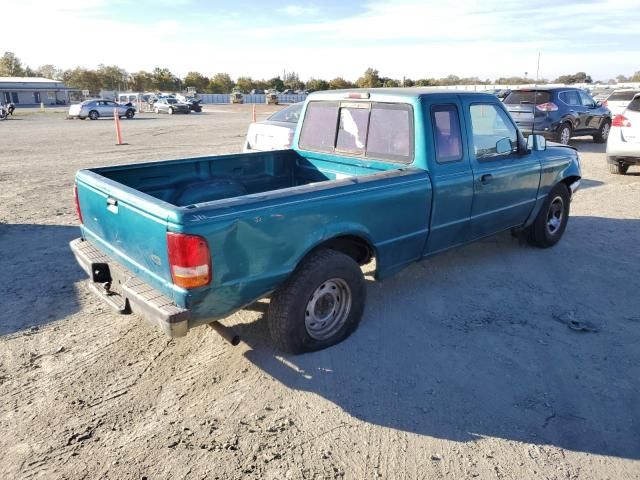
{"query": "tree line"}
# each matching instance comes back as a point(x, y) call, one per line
point(112, 77)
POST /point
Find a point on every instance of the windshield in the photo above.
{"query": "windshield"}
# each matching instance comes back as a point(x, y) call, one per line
point(290, 114)
point(626, 96)
point(526, 96)
point(171, 100)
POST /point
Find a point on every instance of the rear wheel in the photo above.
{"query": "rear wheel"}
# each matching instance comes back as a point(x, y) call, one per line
point(156, 110)
point(94, 115)
point(603, 132)
point(618, 168)
point(551, 222)
point(319, 305)
point(563, 134)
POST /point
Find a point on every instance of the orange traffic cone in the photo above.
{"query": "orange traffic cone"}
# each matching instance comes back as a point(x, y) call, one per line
point(253, 115)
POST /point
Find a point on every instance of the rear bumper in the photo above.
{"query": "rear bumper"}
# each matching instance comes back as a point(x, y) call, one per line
point(126, 293)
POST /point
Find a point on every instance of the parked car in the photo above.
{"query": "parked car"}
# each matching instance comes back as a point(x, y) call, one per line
point(623, 145)
point(236, 97)
point(619, 99)
point(274, 133)
point(170, 105)
point(194, 104)
point(288, 91)
point(601, 94)
point(187, 242)
point(271, 98)
point(257, 91)
point(559, 113)
point(97, 108)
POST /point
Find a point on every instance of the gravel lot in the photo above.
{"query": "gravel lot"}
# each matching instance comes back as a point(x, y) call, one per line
point(463, 366)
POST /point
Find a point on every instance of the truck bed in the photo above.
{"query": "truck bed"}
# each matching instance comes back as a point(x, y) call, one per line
point(194, 181)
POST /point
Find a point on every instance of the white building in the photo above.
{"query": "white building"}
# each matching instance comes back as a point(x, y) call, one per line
point(32, 91)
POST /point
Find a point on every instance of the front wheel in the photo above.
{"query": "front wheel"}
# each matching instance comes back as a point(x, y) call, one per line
point(563, 135)
point(549, 226)
point(156, 110)
point(170, 112)
point(319, 305)
point(603, 132)
point(130, 114)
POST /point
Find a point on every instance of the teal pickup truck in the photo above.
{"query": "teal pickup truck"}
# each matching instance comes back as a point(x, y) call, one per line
point(391, 174)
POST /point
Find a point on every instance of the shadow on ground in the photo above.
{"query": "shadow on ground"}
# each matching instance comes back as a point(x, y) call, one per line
point(475, 343)
point(37, 273)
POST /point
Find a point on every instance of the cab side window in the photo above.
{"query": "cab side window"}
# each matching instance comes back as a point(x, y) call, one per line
point(494, 134)
point(446, 133)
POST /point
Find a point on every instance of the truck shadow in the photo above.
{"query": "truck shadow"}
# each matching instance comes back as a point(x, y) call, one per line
point(587, 145)
point(475, 342)
point(37, 273)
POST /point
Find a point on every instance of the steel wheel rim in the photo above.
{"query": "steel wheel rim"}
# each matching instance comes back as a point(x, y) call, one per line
point(565, 136)
point(327, 309)
point(555, 215)
point(605, 131)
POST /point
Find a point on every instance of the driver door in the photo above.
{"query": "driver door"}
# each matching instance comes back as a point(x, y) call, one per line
point(505, 182)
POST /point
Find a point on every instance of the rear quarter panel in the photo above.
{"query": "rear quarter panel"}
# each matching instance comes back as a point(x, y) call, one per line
point(255, 248)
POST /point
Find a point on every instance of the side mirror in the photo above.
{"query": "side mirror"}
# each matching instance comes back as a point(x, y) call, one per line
point(503, 146)
point(536, 143)
point(598, 104)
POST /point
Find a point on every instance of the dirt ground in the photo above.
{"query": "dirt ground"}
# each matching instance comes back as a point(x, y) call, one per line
point(463, 366)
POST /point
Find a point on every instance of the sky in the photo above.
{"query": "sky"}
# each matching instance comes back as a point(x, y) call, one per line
point(329, 38)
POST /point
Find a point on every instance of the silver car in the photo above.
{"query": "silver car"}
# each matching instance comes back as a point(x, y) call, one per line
point(623, 144)
point(95, 109)
point(170, 105)
point(274, 133)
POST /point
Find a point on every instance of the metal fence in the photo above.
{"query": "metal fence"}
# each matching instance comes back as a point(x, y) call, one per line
point(226, 98)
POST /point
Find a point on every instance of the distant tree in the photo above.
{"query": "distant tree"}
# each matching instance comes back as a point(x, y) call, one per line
point(276, 83)
point(141, 81)
point(408, 82)
point(635, 77)
point(10, 65)
point(221, 83)
point(49, 71)
point(579, 77)
point(112, 77)
point(622, 79)
point(425, 82)
point(370, 79)
point(197, 80)
point(82, 79)
point(292, 80)
point(164, 80)
point(339, 83)
point(261, 84)
point(245, 84)
point(316, 84)
point(389, 82)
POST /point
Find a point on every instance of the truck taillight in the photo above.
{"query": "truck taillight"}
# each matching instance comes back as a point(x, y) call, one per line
point(189, 260)
point(547, 107)
point(620, 121)
point(75, 196)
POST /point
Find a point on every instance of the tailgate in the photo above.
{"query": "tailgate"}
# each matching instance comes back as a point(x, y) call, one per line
point(127, 226)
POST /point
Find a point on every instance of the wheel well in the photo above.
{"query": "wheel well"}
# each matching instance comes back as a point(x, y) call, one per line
point(569, 180)
point(355, 247)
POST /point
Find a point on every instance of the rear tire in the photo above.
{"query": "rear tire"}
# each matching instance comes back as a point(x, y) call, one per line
point(603, 132)
point(563, 134)
point(93, 115)
point(549, 226)
point(156, 110)
point(618, 168)
point(319, 305)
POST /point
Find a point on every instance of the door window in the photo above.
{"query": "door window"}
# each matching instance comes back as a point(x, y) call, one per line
point(446, 132)
point(570, 97)
point(490, 127)
point(586, 99)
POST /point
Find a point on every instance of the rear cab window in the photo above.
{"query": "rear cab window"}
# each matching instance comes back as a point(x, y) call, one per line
point(446, 132)
point(376, 130)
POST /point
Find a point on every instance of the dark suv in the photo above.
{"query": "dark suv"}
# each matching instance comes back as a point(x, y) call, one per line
point(559, 113)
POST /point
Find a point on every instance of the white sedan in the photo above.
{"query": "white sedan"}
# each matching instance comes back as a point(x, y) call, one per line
point(274, 133)
point(623, 144)
point(94, 109)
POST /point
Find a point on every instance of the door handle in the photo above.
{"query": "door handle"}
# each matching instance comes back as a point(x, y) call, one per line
point(486, 178)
